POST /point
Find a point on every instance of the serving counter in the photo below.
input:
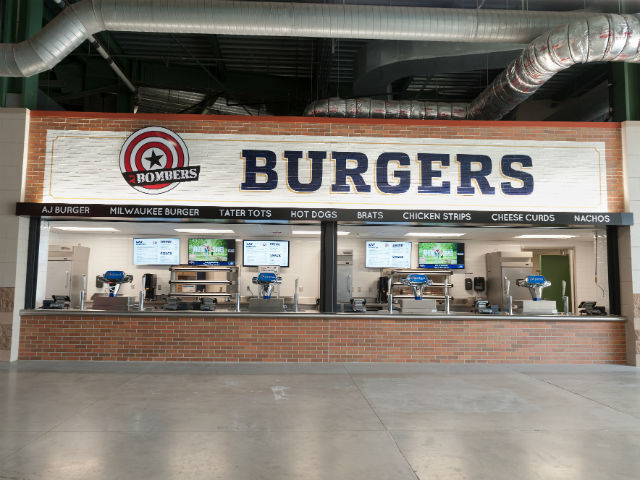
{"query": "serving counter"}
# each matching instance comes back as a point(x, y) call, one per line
point(316, 337)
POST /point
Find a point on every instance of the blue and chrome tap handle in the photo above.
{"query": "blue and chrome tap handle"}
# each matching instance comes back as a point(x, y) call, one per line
point(417, 281)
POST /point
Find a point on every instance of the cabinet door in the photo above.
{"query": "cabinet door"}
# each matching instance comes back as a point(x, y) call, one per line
point(58, 278)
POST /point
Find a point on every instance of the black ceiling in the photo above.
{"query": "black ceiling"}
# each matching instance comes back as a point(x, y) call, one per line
point(280, 75)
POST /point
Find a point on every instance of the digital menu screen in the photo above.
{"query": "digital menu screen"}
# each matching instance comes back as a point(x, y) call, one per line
point(265, 252)
point(440, 255)
point(212, 251)
point(156, 251)
point(388, 255)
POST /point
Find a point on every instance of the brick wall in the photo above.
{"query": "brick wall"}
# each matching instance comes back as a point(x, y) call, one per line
point(610, 133)
point(318, 339)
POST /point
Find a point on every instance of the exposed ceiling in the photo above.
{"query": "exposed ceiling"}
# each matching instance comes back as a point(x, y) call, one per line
point(250, 75)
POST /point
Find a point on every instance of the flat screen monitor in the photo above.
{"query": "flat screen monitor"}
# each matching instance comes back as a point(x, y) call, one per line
point(265, 252)
point(388, 254)
point(156, 251)
point(212, 251)
point(440, 255)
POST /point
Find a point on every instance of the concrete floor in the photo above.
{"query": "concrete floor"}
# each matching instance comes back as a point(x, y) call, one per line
point(210, 421)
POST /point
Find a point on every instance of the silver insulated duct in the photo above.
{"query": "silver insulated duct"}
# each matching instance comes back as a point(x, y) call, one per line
point(602, 38)
point(370, 108)
point(81, 20)
point(605, 38)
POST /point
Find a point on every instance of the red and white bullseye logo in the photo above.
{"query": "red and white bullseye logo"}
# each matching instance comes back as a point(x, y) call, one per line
point(154, 160)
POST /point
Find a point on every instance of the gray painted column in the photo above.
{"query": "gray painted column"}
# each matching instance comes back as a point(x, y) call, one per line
point(629, 240)
point(14, 129)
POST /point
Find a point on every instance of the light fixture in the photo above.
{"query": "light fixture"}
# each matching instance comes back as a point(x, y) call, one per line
point(314, 232)
point(88, 229)
point(433, 234)
point(545, 236)
point(203, 230)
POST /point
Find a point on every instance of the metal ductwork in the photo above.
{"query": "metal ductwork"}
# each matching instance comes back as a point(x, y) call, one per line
point(603, 38)
point(81, 20)
point(370, 108)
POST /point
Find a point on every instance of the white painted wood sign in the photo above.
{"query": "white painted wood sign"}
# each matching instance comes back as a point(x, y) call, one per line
point(157, 166)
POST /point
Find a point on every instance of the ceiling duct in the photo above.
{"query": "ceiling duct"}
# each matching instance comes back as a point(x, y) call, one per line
point(602, 38)
point(371, 108)
point(79, 21)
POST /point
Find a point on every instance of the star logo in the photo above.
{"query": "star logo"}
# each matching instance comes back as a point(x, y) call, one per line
point(154, 159)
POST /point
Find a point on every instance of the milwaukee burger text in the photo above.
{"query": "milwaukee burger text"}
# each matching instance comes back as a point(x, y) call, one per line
point(393, 172)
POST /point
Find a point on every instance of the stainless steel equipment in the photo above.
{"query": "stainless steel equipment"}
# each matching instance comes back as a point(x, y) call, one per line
point(344, 276)
point(266, 281)
point(503, 267)
point(65, 267)
point(535, 284)
point(393, 280)
point(565, 298)
point(417, 282)
point(358, 304)
point(83, 292)
point(113, 279)
point(507, 290)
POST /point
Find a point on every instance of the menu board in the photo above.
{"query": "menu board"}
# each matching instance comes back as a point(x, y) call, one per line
point(388, 255)
point(265, 252)
point(156, 251)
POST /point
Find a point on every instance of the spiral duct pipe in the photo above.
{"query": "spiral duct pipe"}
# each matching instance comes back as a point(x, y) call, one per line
point(81, 20)
point(371, 108)
point(602, 38)
point(605, 38)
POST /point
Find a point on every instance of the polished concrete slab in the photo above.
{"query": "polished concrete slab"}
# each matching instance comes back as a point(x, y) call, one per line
point(355, 421)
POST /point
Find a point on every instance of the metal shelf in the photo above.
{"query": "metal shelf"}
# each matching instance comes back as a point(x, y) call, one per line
point(203, 268)
point(230, 285)
point(437, 271)
point(444, 284)
point(448, 285)
point(201, 282)
point(435, 297)
point(200, 294)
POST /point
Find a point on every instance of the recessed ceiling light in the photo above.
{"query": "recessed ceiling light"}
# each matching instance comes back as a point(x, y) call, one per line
point(88, 229)
point(203, 230)
point(433, 234)
point(545, 236)
point(314, 232)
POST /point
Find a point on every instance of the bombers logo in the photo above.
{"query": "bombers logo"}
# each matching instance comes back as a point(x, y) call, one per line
point(155, 160)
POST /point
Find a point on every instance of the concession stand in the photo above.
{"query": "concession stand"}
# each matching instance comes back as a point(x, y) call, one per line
point(178, 237)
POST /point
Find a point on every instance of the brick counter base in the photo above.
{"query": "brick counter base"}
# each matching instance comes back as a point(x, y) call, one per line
point(328, 339)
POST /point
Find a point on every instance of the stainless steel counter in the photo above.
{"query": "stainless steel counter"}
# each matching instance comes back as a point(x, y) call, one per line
point(456, 316)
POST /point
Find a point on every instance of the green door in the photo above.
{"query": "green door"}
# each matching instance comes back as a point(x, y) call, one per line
point(555, 268)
